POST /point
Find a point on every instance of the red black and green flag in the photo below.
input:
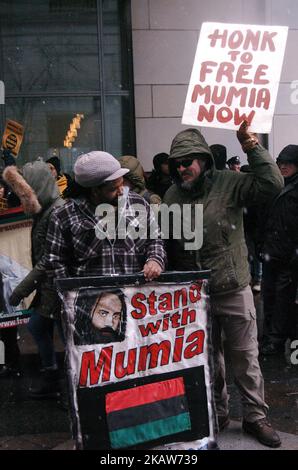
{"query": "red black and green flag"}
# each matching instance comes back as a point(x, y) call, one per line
point(146, 413)
point(12, 215)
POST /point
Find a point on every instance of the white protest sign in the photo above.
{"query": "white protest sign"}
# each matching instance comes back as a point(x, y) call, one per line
point(139, 366)
point(235, 75)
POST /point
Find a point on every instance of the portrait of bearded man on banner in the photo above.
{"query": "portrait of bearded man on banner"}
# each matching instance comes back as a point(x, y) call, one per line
point(100, 316)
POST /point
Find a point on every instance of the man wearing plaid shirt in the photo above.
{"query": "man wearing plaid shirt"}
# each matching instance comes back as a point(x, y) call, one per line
point(78, 242)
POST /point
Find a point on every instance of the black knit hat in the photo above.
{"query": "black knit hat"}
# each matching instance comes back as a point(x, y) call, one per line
point(289, 154)
point(56, 163)
point(234, 161)
point(219, 153)
point(159, 159)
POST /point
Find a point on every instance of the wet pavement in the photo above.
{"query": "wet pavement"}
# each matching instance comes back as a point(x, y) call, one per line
point(26, 423)
point(281, 386)
point(44, 424)
point(281, 394)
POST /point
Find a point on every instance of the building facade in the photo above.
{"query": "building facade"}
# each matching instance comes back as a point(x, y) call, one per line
point(165, 35)
point(124, 66)
point(63, 58)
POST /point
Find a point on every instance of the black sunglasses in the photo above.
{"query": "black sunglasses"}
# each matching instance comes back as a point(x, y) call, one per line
point(185, 163)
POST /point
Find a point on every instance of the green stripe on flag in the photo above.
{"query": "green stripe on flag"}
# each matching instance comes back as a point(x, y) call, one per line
point(127, 437)
point(13, 219)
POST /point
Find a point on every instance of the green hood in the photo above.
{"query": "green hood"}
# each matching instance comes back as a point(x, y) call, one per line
point(136, 173)
point(189, 142)
point(39, 177)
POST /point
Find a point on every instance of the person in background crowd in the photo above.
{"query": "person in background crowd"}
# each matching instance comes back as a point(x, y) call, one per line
point(2, 191)
point(223, 195)
point(234, 164)
point(252, 222)
point(3, 200)
point(9, 198)
point(160, 179)
point(280, 254)
point(219, 153)
point(39, 196)
point(135, 179)
point(63, 180)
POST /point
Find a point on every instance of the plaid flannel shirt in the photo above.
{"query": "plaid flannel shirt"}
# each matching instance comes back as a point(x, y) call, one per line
point(73, 249)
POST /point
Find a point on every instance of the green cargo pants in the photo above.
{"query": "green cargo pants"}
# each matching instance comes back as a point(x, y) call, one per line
point(234, 321)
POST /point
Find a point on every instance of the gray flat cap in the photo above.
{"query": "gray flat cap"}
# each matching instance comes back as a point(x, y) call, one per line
point(95, 168)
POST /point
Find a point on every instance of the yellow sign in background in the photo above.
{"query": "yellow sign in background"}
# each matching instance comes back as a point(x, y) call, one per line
point(13, 136)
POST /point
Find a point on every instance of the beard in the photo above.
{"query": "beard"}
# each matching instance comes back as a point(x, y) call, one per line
point(105, 335)
point(189, 185)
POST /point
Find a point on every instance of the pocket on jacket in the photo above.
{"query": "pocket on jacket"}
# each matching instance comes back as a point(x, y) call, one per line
point(47, 303)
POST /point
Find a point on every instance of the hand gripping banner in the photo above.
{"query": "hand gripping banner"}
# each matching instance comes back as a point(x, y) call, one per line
point(139, 361)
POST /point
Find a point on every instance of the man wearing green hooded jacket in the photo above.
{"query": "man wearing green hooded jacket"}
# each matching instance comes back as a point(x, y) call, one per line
point(224, 194)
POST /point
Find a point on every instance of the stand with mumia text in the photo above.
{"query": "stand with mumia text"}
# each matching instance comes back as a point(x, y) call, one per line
point(139, 361)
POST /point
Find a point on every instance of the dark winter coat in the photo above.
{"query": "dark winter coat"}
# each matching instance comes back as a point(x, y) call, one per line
point(39, 178)
point(159, 183)
point(281, 233)
point(137, 179)
point(223, 195)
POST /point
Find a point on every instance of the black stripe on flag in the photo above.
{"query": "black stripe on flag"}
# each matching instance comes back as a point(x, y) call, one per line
point(136, 415)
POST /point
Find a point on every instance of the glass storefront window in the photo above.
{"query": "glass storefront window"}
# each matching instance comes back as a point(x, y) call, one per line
point(50, 49)
point(47, 121)
point(119, 135)
point(115, 46)
point(59, 58)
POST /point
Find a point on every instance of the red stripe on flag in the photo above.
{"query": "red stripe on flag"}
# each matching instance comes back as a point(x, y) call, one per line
point(143, 394)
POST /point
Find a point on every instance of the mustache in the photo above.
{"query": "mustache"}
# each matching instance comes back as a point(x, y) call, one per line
point(107, 329)
point(186, 172)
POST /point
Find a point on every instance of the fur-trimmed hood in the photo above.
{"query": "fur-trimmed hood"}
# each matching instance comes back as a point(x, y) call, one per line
point(33, 184)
